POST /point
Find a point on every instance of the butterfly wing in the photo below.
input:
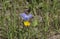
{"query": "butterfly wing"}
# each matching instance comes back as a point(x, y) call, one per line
point(24, 16)
point(27, 17)
point(30, 16)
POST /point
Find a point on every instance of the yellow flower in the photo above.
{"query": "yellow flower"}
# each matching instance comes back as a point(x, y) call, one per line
point(26, 23)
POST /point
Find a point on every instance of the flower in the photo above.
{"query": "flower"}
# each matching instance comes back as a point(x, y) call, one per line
point(25, 16)
point(26, 23)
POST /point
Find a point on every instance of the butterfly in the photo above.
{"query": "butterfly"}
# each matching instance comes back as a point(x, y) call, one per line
point(25, 16)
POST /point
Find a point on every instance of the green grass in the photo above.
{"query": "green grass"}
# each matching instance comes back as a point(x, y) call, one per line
point(11, 26)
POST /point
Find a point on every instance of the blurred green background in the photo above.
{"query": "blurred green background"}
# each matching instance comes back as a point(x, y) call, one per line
point(46, 21)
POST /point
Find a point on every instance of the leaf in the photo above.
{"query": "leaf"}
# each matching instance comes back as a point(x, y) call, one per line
point(35, 23)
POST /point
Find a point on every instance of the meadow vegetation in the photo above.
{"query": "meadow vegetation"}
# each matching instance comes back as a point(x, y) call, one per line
point(44, 24)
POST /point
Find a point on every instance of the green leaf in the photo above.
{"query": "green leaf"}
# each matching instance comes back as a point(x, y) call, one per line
point(35, 23)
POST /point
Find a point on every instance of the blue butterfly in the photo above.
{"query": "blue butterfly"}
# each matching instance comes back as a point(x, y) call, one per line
point(25, 16)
